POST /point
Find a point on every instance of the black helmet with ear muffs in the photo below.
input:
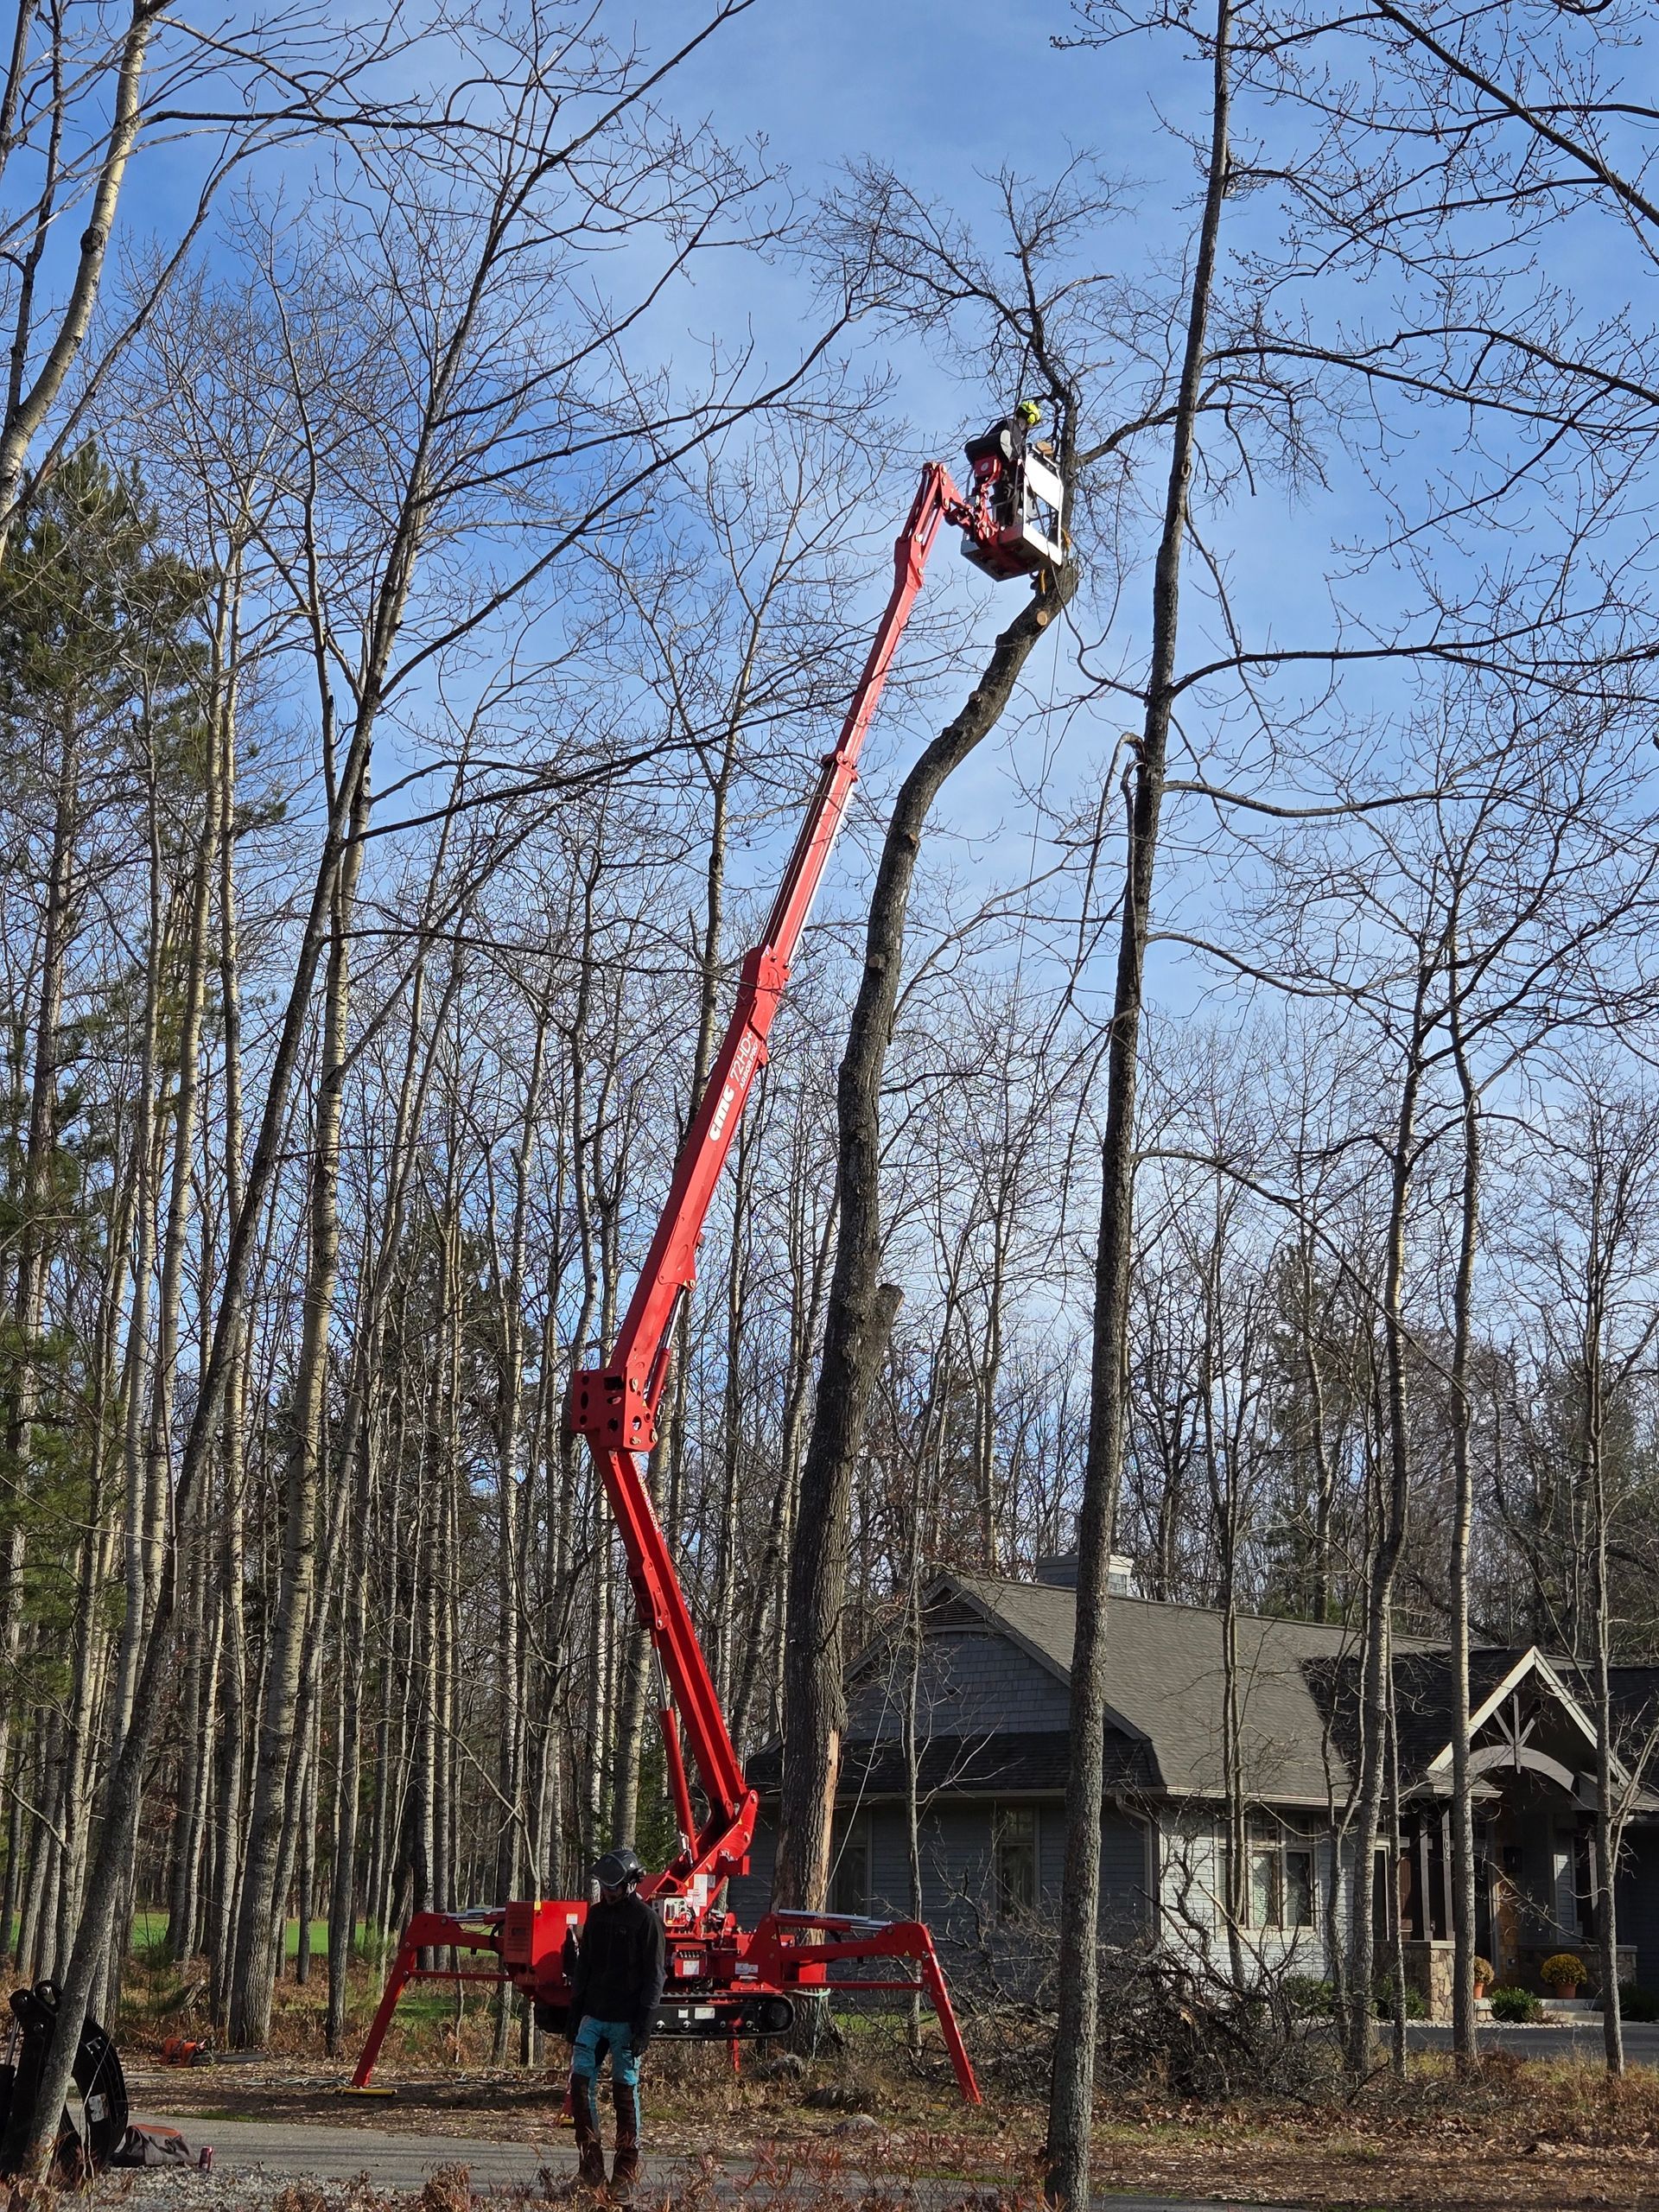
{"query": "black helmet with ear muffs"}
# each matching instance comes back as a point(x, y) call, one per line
point(619, 1869)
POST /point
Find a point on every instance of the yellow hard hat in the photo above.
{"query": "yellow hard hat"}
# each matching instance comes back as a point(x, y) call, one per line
point(1028, 412)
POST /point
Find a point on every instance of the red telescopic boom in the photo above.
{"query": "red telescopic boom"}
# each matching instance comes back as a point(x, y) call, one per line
point(615, 1407)
point(724, 1981)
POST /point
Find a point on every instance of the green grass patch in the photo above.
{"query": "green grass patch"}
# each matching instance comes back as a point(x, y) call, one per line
point(150, 1924)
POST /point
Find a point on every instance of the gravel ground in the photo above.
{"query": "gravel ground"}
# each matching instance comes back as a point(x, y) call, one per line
point(254, 2161)
point(183, 2192)
point(258, 2167)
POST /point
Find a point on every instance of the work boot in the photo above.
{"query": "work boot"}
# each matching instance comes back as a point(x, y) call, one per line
point(590, 2152)
point(625, 2167)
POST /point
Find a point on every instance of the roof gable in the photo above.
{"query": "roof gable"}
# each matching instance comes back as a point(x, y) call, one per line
point(1029, 1629)
point(969, 1676)
point(1531, 1666)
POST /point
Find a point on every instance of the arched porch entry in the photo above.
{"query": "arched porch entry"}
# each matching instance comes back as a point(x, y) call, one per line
point(1532, 1767)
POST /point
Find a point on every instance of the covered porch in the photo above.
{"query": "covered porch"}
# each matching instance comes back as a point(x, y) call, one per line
point(1535, 1807)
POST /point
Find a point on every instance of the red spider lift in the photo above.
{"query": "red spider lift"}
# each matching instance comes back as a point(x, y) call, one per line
point(723, 1982)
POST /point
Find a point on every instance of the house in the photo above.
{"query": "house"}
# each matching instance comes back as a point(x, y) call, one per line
point(988, 1684)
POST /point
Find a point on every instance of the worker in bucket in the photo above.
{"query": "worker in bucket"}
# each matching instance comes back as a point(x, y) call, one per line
point(615, 1992)
point(999, 451)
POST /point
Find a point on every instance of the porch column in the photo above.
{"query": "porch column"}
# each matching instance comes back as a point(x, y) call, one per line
point(1422, 1916)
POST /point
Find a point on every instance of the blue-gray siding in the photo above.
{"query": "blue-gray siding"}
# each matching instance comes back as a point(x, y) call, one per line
point(971, 1681)
point(958, 1899)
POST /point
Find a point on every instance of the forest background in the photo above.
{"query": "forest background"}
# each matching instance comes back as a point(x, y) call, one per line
point(446, 479)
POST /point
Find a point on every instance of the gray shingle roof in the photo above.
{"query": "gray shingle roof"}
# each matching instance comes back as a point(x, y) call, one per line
point(1166, 1670)
point(1167, 1674)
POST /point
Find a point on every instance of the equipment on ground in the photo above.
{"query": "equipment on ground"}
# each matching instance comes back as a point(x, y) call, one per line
point(91, 2137)
point(96, 2129)
point(187, 2050)
point(724, 1983)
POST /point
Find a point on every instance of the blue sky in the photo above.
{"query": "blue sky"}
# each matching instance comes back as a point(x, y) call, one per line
point(947, 93)
point(944, 91)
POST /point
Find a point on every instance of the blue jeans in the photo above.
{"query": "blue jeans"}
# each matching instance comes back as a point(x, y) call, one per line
point(594, 2039)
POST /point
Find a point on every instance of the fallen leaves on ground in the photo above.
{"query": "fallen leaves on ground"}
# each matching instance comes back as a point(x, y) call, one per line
point(1525, 2137)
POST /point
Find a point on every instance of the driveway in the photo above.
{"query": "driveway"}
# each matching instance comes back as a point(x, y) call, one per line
point(1578, 2038)
point(254, 2159)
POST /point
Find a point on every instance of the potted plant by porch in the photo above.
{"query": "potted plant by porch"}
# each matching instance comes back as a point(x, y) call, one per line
point(1483, 1975)
point(1561, 1972)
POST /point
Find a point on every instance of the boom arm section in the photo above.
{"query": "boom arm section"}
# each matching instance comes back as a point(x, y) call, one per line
point(615, 1407)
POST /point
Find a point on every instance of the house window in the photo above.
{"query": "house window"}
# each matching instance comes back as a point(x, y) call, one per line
point(1262, 1905)
point(850, 1885)
point(1280, 1888)
point(1300, 1888)
point(1014, 1832)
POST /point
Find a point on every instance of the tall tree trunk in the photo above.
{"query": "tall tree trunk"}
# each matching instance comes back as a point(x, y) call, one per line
point(30, 406)
point(181, 1876)
point(1072, 2082)
point(39, 1145)
point(1595, 1486)
point(1389, 1543)
point(159, 1440)
point(1463, 1506)
point(423, 1671)
point(253, 1975)
point(12, 1894)
point(343, 1890)
point(809, 1276)
point(737, 1273)
point(232, 1680)
point(143, 1554)
point(91, 1635)
point(511, 1595)
point(1397, 1932)
point(633, 1673)
point(305, 1878)
point(360, 1455)
point(860, 1316)
point(449, 1475)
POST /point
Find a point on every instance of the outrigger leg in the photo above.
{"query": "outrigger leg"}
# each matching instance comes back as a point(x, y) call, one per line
point(845, 1937)
point(427, 1932)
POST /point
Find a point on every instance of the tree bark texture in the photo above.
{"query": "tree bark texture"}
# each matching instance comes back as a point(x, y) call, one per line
point(858, 1319)
point(1071, 2087)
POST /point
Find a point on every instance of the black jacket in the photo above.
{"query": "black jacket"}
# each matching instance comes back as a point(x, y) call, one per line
point(1006, 440)
point(620, 1966)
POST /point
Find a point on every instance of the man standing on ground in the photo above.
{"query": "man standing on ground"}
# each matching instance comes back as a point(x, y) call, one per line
point(614, 1994)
